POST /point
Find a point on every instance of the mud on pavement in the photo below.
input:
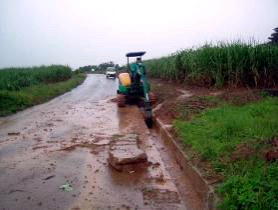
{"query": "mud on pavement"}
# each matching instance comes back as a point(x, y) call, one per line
point(66, 142)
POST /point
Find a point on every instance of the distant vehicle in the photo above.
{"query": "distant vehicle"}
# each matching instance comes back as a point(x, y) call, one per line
point(111, 73)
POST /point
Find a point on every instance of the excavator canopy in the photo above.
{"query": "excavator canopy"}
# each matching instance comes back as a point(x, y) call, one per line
point(135, 54)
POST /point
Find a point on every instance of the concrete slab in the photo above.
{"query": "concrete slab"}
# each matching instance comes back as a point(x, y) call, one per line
point(124, 150)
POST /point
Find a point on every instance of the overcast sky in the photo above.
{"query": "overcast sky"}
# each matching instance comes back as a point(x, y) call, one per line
point(85, 32)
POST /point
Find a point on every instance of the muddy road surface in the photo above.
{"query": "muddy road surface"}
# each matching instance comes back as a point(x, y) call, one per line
point(54, 156)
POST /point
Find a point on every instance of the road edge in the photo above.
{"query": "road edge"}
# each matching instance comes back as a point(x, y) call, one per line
point(205, 189)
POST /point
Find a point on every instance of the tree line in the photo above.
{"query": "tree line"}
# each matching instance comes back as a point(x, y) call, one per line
point(101, 68)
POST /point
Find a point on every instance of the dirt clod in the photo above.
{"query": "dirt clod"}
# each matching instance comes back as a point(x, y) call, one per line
point(14, 133)
point(161, 195)
point(125, 151)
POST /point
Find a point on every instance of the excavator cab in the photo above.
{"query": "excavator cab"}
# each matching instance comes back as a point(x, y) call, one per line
point(134, 86)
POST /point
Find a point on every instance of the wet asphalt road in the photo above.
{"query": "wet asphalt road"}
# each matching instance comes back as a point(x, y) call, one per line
point(66, 141)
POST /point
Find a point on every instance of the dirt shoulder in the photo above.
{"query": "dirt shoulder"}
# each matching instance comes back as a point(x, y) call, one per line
point(174, 97)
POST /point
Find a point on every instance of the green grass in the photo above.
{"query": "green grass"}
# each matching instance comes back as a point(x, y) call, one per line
point(224, 64)
point(250, 184)
point(18, 78)
point(13, 101)
point(216, 134)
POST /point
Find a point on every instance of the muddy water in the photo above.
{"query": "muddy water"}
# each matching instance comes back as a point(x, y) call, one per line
point(66, 141)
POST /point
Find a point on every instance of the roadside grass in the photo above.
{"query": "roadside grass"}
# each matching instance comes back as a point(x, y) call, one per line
point(15, 100)
point(18, 78)
point(235, 139)
point(224, 64)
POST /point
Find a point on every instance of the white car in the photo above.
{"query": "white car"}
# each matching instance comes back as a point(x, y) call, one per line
point(110, 73)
